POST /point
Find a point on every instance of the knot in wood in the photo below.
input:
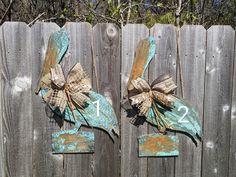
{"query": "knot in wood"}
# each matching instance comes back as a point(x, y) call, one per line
point(111, 31)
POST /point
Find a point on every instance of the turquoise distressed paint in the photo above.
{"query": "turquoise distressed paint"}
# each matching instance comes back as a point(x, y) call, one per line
point(69, 141)
point(158, 145)
point(60, 40)
point(176, 118)
point(88, 116)
point(182, 117)
point(151, 53)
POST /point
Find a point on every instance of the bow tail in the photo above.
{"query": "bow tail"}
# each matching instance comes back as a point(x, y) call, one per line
point(79, 99)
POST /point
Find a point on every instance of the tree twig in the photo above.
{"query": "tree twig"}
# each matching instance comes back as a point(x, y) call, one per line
point(8, 8)
point(33, 21)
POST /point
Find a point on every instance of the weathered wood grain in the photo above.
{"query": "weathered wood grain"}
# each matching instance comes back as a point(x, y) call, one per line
point(192, 56)
point(106, 52)
point(45, 163)
point(16, 97)
point(131, 165)
point(217, 104)
point(232, 155)
point(78, 165)
point(163, 63)
point(2, 173)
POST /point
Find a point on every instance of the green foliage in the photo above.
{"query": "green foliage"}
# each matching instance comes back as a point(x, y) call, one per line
point(147, 12)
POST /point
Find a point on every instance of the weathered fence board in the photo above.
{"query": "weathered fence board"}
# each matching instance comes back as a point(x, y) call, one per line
point(163, 63)
point(16, 101)
point(45, 163)
point(192, 56)
point(232, 155)
point(131, 165)
point(79, 51)
point(218, 89)
point(2, 155)
point(106, 52)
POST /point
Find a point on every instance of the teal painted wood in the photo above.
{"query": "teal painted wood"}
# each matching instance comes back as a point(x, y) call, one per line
point(101, 115)
point(182, 117)
point(60, 41)
point(105, 119)
point(151, 53)
point(71, 142)
point(158, 145)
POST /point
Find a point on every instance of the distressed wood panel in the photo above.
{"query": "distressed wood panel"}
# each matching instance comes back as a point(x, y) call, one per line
point(78, 165)
point(163, 63)
point(106, 52)
point(131, 165)
point(45, 163)
point(192, 56)
point(2, 173)
point(16, 100)
point(232, 155)
point(218, 91)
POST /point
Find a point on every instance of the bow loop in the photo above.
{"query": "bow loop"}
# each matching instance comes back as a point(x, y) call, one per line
point(77, 80)
point(71, 92)
point(57, 76)
point(143, 95)
point(164, 84)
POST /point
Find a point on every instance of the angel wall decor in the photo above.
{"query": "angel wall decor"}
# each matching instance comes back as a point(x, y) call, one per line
point(159, 106)
point(72, 99)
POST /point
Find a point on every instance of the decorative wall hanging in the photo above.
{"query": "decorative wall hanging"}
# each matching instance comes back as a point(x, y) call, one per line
point(158, 105)
point(72, 99)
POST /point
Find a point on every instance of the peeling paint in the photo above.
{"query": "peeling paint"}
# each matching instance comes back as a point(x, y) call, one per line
point(158, 145)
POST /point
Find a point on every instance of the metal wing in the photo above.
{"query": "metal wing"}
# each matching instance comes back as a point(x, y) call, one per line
point(182, 117)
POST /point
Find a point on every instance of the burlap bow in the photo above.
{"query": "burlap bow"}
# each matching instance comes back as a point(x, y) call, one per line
point(72, 91)
point(143, 96)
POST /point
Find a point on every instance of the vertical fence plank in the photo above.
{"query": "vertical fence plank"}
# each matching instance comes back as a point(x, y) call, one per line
point(163, 63)
point(131, 165)
point(16, 102)
point(78, 165)
point(106, 50)
point(45, 163)
point(192, 56)
point(2, 173)
point(232, 155)
point(218, 90)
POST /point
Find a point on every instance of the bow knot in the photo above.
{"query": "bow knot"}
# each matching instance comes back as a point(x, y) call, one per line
point(143, 95)
point(72, 91)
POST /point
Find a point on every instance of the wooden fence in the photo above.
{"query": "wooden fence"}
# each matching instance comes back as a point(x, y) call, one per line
point(207, 60)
